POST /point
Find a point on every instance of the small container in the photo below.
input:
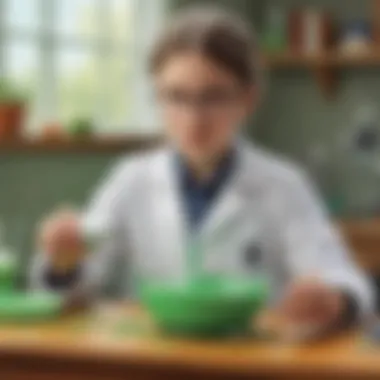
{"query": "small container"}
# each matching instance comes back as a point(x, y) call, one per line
point(8, 270)
point(8, 266)
point(310, 31)
point(274, 38)
point(356, 38)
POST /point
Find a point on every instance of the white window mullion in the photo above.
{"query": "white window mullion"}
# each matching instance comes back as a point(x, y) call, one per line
point(102, 52)
point(131, 119)
point(2, 37)
point(150, 16)
point(134, 53)
point(47, 78)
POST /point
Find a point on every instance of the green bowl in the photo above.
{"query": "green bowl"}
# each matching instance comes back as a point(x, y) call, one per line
point(205, 308)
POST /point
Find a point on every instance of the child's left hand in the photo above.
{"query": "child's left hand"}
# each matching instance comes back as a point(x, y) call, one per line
point(311, 308)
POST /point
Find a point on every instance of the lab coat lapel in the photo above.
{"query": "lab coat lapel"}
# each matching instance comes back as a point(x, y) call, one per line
point(231, 203)
point(169, 218)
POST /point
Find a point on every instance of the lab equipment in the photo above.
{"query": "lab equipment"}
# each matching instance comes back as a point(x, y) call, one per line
point(274, 36)
point(356, 38)
point(8, 265)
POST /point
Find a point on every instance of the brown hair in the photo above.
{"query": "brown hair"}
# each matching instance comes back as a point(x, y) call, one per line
point(219, 34)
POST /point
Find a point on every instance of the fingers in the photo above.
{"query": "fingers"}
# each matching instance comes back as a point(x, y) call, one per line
point(310, 309)
point(311, 302)
point(59, 233)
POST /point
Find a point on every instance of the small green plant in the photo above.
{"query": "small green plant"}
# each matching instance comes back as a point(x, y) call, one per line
point(81, 127)
point(10, 93)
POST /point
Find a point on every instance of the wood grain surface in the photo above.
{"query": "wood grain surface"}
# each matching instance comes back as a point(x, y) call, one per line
point(120, 343)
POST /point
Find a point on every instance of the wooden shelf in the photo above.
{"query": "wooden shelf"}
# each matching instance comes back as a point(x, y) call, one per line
point(291, 61)
point(331, 59)
point(99, 145)
point(364, 60)
point(324, 67)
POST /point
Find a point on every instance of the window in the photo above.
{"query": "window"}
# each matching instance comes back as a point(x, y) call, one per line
point(82, 58)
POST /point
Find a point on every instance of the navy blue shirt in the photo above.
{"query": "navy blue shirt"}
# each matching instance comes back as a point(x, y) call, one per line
point(198, 197)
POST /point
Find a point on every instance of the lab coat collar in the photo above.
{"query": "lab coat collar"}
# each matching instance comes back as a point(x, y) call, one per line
point(227, 209)
point(231, 203)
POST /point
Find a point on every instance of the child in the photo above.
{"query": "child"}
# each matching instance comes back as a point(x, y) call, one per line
point(247, 209)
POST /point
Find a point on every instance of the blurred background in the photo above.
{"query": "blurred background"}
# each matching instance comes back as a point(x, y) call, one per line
point(75, 95)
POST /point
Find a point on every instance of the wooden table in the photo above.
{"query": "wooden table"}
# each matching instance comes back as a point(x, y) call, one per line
point(363, 236)
point(80, 348)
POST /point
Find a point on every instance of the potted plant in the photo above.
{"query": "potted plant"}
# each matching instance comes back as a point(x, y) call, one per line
point(81, 128)
point(12, 111)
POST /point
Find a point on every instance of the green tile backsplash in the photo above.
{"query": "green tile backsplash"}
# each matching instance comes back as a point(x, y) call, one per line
point(32, 185)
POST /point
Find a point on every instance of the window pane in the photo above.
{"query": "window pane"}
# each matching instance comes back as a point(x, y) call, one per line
point(117, 93)
point(21, 69)
point(122, 16)
point(22, 14)
point(77, 84)
point(77, 18)
point(20, 61)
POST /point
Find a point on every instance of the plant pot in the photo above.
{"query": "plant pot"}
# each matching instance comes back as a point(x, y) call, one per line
point(12, 117)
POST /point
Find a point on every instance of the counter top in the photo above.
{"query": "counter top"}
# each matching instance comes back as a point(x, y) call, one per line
point(91, 348)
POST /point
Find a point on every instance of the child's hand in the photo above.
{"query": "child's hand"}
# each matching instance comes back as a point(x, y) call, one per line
point(312, 308)
point(60, 237)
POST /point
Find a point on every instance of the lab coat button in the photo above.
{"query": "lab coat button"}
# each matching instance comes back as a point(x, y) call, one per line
point(253, 255)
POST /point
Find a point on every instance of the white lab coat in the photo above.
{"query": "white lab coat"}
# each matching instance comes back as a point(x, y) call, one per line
point(268, 207)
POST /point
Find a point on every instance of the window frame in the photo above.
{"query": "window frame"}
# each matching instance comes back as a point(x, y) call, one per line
point(148, 15)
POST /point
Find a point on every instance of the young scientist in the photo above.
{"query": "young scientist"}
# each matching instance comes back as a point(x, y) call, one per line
point(247, 209)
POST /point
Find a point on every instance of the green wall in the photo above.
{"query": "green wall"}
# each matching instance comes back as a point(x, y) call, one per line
point(32, 185)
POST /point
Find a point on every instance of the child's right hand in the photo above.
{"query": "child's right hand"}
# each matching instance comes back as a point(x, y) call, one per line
point(60, 237)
